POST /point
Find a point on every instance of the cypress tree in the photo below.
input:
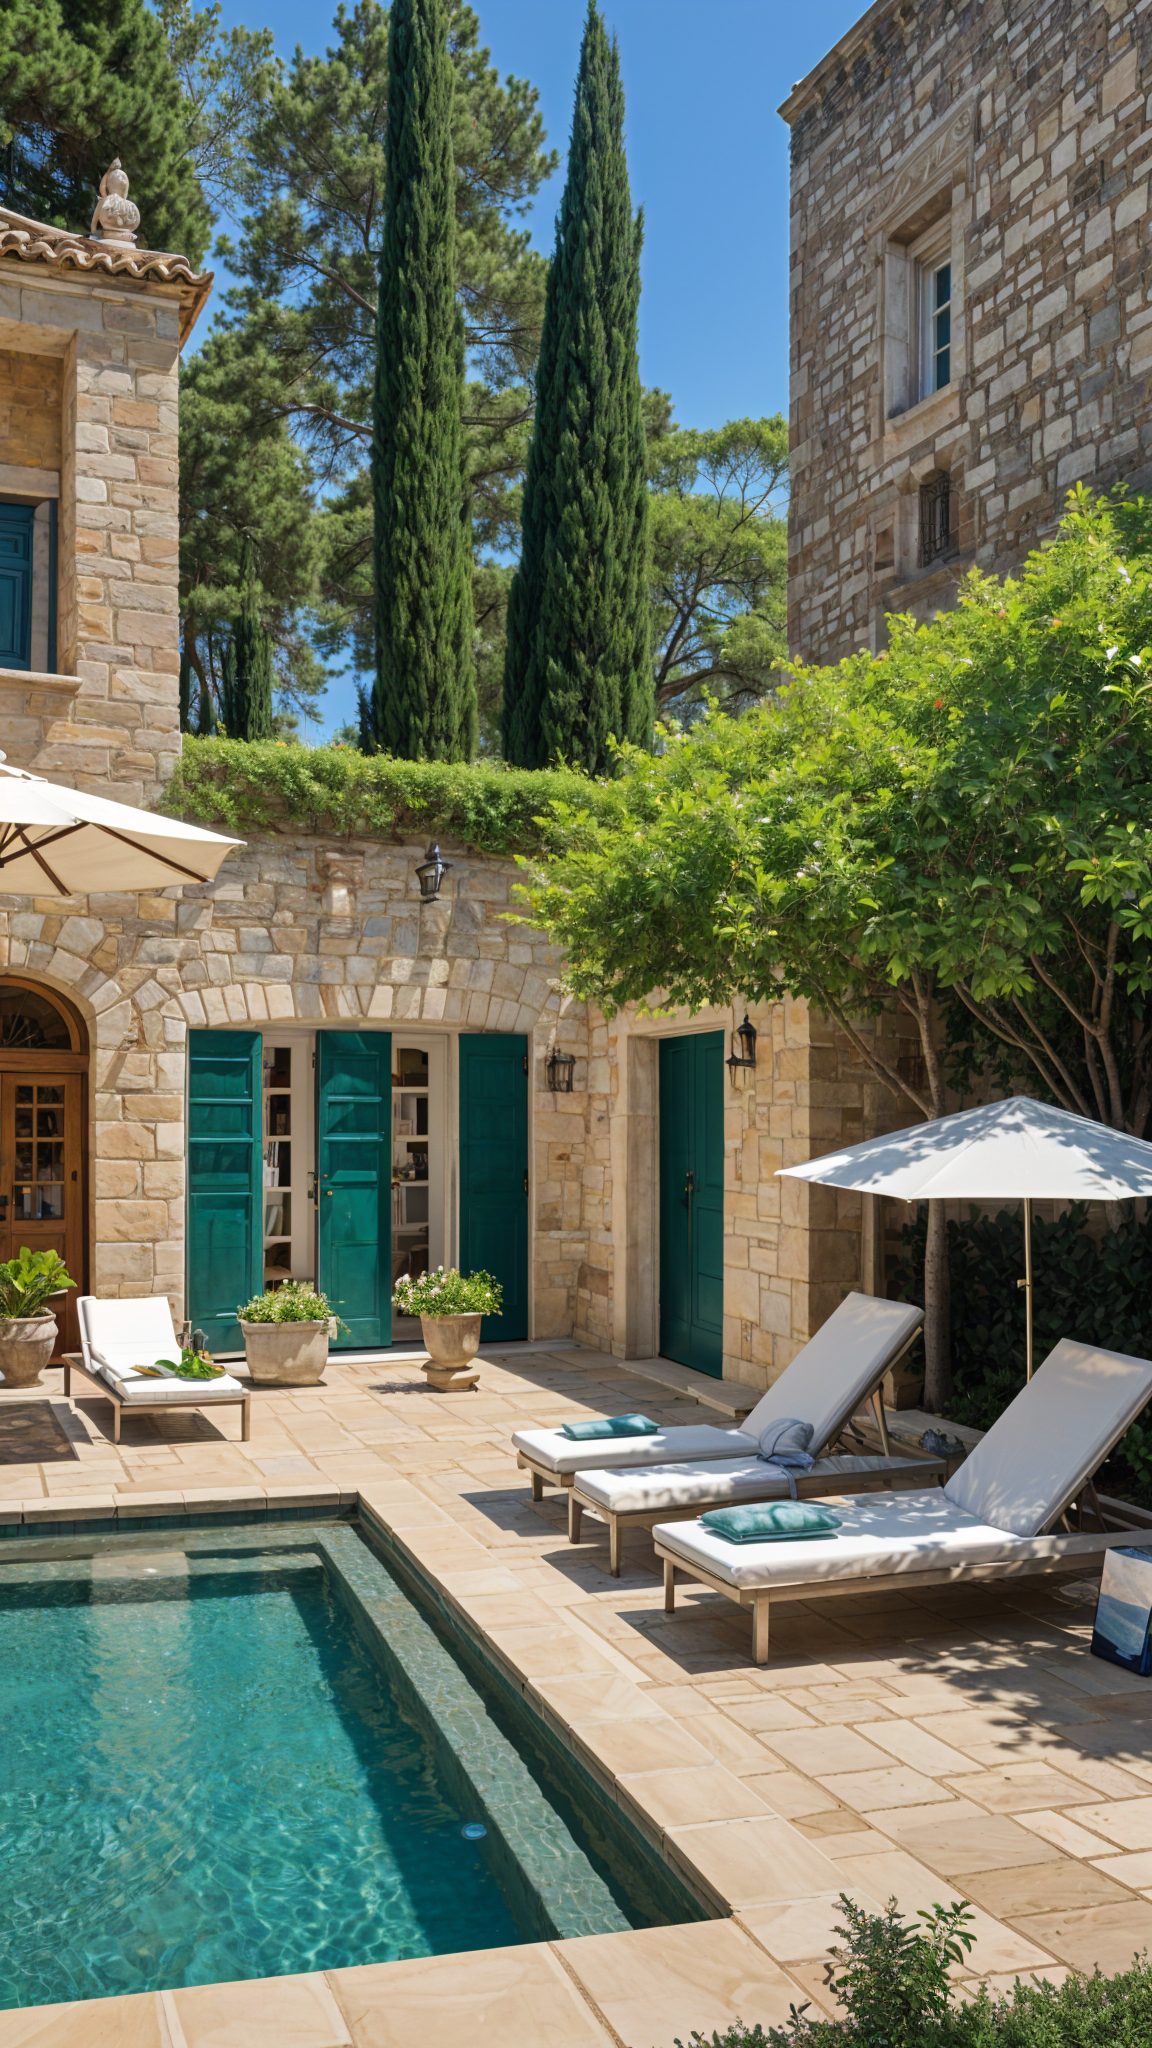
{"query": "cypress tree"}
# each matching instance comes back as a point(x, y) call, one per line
point(252, 645)
point(424, 699)
point(185, 687)
point(578, 667)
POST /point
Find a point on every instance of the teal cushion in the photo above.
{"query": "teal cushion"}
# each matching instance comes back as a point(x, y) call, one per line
point(610, 1425)
point(772, 1521)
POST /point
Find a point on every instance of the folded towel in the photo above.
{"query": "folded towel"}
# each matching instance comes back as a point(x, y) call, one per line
point(785, 1444)
point(610, 1425)
point(771, 1521)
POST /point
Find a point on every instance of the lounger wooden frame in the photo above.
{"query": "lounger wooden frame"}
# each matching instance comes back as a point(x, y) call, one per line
point(760, 1599)
point(74, 1362)
point(918, 1472)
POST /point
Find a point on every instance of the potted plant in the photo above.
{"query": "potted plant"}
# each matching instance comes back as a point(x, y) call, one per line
point(28, 1330)
point(450, 1308)
point(286, 1332)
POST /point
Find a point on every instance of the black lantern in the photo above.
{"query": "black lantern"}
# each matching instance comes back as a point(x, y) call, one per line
point(746, 1057)
point(431, 873)
point(559, 1069)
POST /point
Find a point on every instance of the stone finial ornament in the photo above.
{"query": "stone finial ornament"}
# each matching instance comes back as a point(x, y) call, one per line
point(116, 218)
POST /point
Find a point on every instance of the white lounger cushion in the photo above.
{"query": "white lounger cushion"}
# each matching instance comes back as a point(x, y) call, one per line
point(118, 1336)
point(1052, 1437)
point(879, 1534)
point(826, 1382)
point(716, 1482)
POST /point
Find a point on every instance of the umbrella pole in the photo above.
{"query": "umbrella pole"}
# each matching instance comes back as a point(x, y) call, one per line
point(1026, 1284)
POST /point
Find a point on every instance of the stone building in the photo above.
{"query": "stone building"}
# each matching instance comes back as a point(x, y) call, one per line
point(183, 1075)
point(971, 322)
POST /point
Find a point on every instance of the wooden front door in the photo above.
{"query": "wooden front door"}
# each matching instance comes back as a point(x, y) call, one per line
point(42, 1178)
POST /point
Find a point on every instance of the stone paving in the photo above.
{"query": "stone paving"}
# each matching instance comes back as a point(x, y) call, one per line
point(952, 1742)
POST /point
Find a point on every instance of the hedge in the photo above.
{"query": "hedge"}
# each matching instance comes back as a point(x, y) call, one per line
point(268, 786)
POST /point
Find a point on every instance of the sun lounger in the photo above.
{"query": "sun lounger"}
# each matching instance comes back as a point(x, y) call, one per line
point(118, 1337)
point(838, 1369)
point(996, 1517)
point(640, 1498)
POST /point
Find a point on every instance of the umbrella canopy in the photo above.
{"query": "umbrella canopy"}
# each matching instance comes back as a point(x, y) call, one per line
point(1010, 1151)
point(61, 842)
point(1018, 1150)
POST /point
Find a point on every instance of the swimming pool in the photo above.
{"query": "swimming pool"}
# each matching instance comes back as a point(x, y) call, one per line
point(248, 1752)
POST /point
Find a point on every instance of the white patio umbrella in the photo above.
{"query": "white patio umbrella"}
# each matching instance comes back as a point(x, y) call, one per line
point(1018, 1150)
point(56, 841)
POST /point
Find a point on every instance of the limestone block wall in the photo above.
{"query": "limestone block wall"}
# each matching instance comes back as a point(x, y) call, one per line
point(112, 345)
point(1027, 124)
point(31, 400)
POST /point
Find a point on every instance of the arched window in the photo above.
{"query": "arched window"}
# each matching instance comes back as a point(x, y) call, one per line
point(31, 1022)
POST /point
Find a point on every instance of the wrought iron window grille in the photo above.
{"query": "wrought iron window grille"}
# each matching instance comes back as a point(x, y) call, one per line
point(935, 520)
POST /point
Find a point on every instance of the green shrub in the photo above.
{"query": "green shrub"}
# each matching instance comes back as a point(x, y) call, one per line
point(1096, 1290)
point(893, 1982)
point(267, 786)
point(441, 1293)
point(293, 1303)
point(28, 1282)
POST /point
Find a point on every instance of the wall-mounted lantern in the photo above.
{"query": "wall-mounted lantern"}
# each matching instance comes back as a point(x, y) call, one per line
point(559, 1068)
point(431, 873)
point(746, 1057)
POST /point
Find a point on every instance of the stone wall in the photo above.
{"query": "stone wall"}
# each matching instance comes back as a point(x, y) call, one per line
point(31, 398)
point(1023, 121)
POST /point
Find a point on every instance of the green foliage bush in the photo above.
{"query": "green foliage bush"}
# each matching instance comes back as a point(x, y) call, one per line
point(295, 1302)
point(893, 1981)
point(450, 1293)
point(1096, 1290)
point(28, 1282)
point(269, 786)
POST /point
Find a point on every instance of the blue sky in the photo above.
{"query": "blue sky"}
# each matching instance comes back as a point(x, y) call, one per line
point(708, 158)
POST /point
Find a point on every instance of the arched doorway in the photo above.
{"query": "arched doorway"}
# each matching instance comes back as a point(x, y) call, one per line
point(43, 1132)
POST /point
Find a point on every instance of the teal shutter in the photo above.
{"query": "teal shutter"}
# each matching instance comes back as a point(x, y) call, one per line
point(16, 526)
point(494, 1173)
point(692, 1201)
point(225, 1175)
point(354, 1181)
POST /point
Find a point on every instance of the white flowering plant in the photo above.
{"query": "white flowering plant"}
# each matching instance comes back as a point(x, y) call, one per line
point(448, 1293)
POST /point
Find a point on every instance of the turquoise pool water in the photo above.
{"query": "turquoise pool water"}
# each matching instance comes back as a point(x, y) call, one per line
point(207, 1775)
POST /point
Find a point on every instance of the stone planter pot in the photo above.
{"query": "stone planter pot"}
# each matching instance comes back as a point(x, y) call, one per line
point(26, 1345)
point(452, 1343)
point(286, 1354)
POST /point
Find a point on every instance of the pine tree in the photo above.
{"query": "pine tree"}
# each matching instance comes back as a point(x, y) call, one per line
point(578, 667)
point(83, 81)
point(424, 701)
point(252, 645)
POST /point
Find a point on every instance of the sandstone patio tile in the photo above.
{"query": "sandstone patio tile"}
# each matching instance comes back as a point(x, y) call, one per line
point(840, 1834)
point(953, 1844)
point(1105, 1936)
point(501, 1997)
point(872, 1791)
point(1039, 1888)
point(800, 1929)
point(1134, 1869)
point(1019, 1788)
point(751, 1862)
point(264, 2012)
point(1127, 1822)
point(765, 1713)
point(625, 1748)
point(735, 1747)
point(792, 1796)
point(547, 1652)
point(580, 1700)
point(659, 1982)
point(819, 1752)
point(914, 1746)
point(1064, 1833)
point(132, 2022)
point(685, 1798)
point(895, 1874)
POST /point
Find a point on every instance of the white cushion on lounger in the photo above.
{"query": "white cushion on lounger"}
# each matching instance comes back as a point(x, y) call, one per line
point(692, 1440)
point(824, 1385)
point(145, 1387)
point(879, 1534)
point(720, 1481)
point(1052, 1437)
point(118, 1336)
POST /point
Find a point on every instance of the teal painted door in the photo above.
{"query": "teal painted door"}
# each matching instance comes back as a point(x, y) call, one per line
point(225, 1150)
point(692, 1200)
point(16, 586)
point(494, 1173)
point(354, 1181)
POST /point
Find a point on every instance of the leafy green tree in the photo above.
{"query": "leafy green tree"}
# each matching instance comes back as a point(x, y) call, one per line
point(424, 701)
point(577, 671)
point(960, 821)
point(252, 647)
point(719, 563)
point(84, 81)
